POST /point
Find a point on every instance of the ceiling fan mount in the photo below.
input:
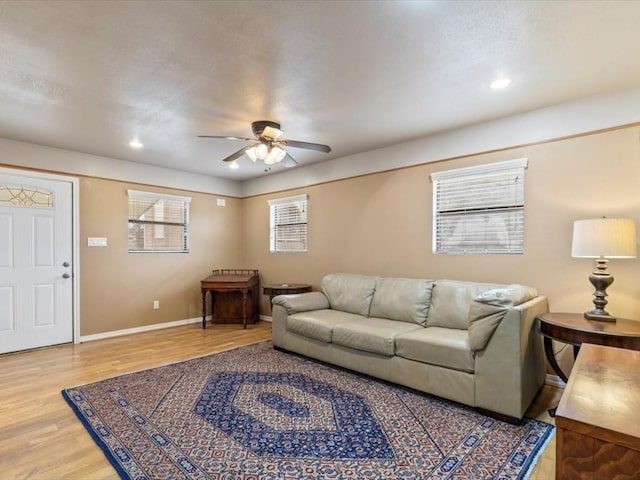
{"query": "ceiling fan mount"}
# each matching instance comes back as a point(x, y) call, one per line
point(268, 144)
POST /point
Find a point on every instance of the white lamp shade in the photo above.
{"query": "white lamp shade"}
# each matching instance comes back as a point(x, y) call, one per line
point(251, 153)
point(262, 151)
point(604, 237)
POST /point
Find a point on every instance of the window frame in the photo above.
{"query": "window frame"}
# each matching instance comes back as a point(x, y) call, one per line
point(516, 205)
point(186, 201)
point(273, 229)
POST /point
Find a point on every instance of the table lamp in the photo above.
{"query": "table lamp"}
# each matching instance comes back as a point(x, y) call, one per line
point(603, 238)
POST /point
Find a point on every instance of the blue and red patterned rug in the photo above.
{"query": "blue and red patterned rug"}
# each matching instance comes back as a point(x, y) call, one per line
point(256, 413)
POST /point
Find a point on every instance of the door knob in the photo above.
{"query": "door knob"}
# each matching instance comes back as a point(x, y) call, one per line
point(65, 264)
point(66, 275)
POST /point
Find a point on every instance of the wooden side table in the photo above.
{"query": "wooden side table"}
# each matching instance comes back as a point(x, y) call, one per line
point(275, 289)
point(227, 281)
point(574, 329)
point(598, 433)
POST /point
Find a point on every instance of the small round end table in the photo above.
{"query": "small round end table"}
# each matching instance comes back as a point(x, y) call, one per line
point(574, 329)
point(275, 289)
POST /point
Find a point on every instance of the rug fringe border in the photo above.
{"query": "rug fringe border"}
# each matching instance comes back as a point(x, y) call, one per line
point(526, 472)
point(89, 429)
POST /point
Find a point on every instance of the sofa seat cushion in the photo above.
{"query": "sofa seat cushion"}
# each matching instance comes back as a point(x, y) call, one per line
point(349, 292)
point(375, 335)
point(445, 347)
point(318, 324)
point(403, 299)
point(450, 302)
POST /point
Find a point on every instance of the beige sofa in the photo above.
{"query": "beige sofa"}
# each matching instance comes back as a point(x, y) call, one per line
point(474, 343)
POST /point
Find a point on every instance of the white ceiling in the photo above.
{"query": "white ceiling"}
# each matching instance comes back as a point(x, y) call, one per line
point(90, 75)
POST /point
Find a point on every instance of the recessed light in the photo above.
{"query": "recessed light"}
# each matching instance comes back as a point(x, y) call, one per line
point(234, 165)
point(500, 83)
point(135, 143)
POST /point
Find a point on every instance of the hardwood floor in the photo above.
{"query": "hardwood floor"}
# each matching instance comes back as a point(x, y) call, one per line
point(41, 438)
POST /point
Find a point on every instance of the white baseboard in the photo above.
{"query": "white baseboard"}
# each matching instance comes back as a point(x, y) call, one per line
point(554, 381)
point(146, 328)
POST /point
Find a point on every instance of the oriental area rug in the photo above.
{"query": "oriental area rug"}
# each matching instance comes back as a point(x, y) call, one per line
point(256, 413)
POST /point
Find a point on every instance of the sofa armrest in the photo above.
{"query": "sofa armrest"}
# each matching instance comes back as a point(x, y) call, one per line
point(511, 368)
point(302, 302)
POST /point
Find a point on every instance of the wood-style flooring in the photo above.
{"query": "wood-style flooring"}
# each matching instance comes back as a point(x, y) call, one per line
point(40, 436)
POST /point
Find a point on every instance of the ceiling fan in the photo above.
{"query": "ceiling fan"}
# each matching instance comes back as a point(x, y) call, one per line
point(267, 145)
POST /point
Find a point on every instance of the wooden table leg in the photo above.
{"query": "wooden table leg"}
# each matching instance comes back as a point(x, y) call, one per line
point(213, 307)
point(548, 350)
point(244, 309)
point(256, 304)
point(204, 309)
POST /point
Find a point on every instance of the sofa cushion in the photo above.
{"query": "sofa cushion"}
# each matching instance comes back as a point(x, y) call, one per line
point(489, 308)
point(374, 335)
point(404, 299)
point(450, 302)
point(318, 324)
point(445, 347)
point(349, 293)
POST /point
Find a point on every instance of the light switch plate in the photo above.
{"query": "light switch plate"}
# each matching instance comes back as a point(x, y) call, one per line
point(221, 202)
point(96, 241)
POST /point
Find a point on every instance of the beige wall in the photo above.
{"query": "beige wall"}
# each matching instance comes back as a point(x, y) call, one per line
point(117, 289)
point(381, 224)
point(374, 224)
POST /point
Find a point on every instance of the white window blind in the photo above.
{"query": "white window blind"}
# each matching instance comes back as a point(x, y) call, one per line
point(158, 222)
point(479, 209)
point(288, 224)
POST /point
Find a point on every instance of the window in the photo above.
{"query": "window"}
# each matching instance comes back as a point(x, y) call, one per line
point(479, 209)
point(288, 224)
point(158, 222)
point(25, 196)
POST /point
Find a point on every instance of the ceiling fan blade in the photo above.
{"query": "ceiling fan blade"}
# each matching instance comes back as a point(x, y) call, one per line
point(308, 146)
point(228, 137)
point(235, 155)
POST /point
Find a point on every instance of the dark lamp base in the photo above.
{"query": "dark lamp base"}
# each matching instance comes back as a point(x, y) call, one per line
point(602, 317)
point(600, 279)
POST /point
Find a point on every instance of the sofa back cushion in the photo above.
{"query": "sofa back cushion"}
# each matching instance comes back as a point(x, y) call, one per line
point(451, 300)
point(349, 293)
point(403, 299)
point(490, 307)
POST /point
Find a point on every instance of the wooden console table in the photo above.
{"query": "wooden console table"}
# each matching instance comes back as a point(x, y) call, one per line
point(598, 433)
point(234, 296)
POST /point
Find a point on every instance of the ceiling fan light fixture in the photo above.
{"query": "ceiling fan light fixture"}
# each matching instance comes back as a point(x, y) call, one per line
point(267, 146)
point(280, 153)
point(251, 153)
point(275, 155)
point(262, 151)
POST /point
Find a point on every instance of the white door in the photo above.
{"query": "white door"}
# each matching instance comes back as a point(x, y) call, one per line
point(36, 252)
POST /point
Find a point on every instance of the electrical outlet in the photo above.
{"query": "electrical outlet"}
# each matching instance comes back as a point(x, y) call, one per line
point(156, 304)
